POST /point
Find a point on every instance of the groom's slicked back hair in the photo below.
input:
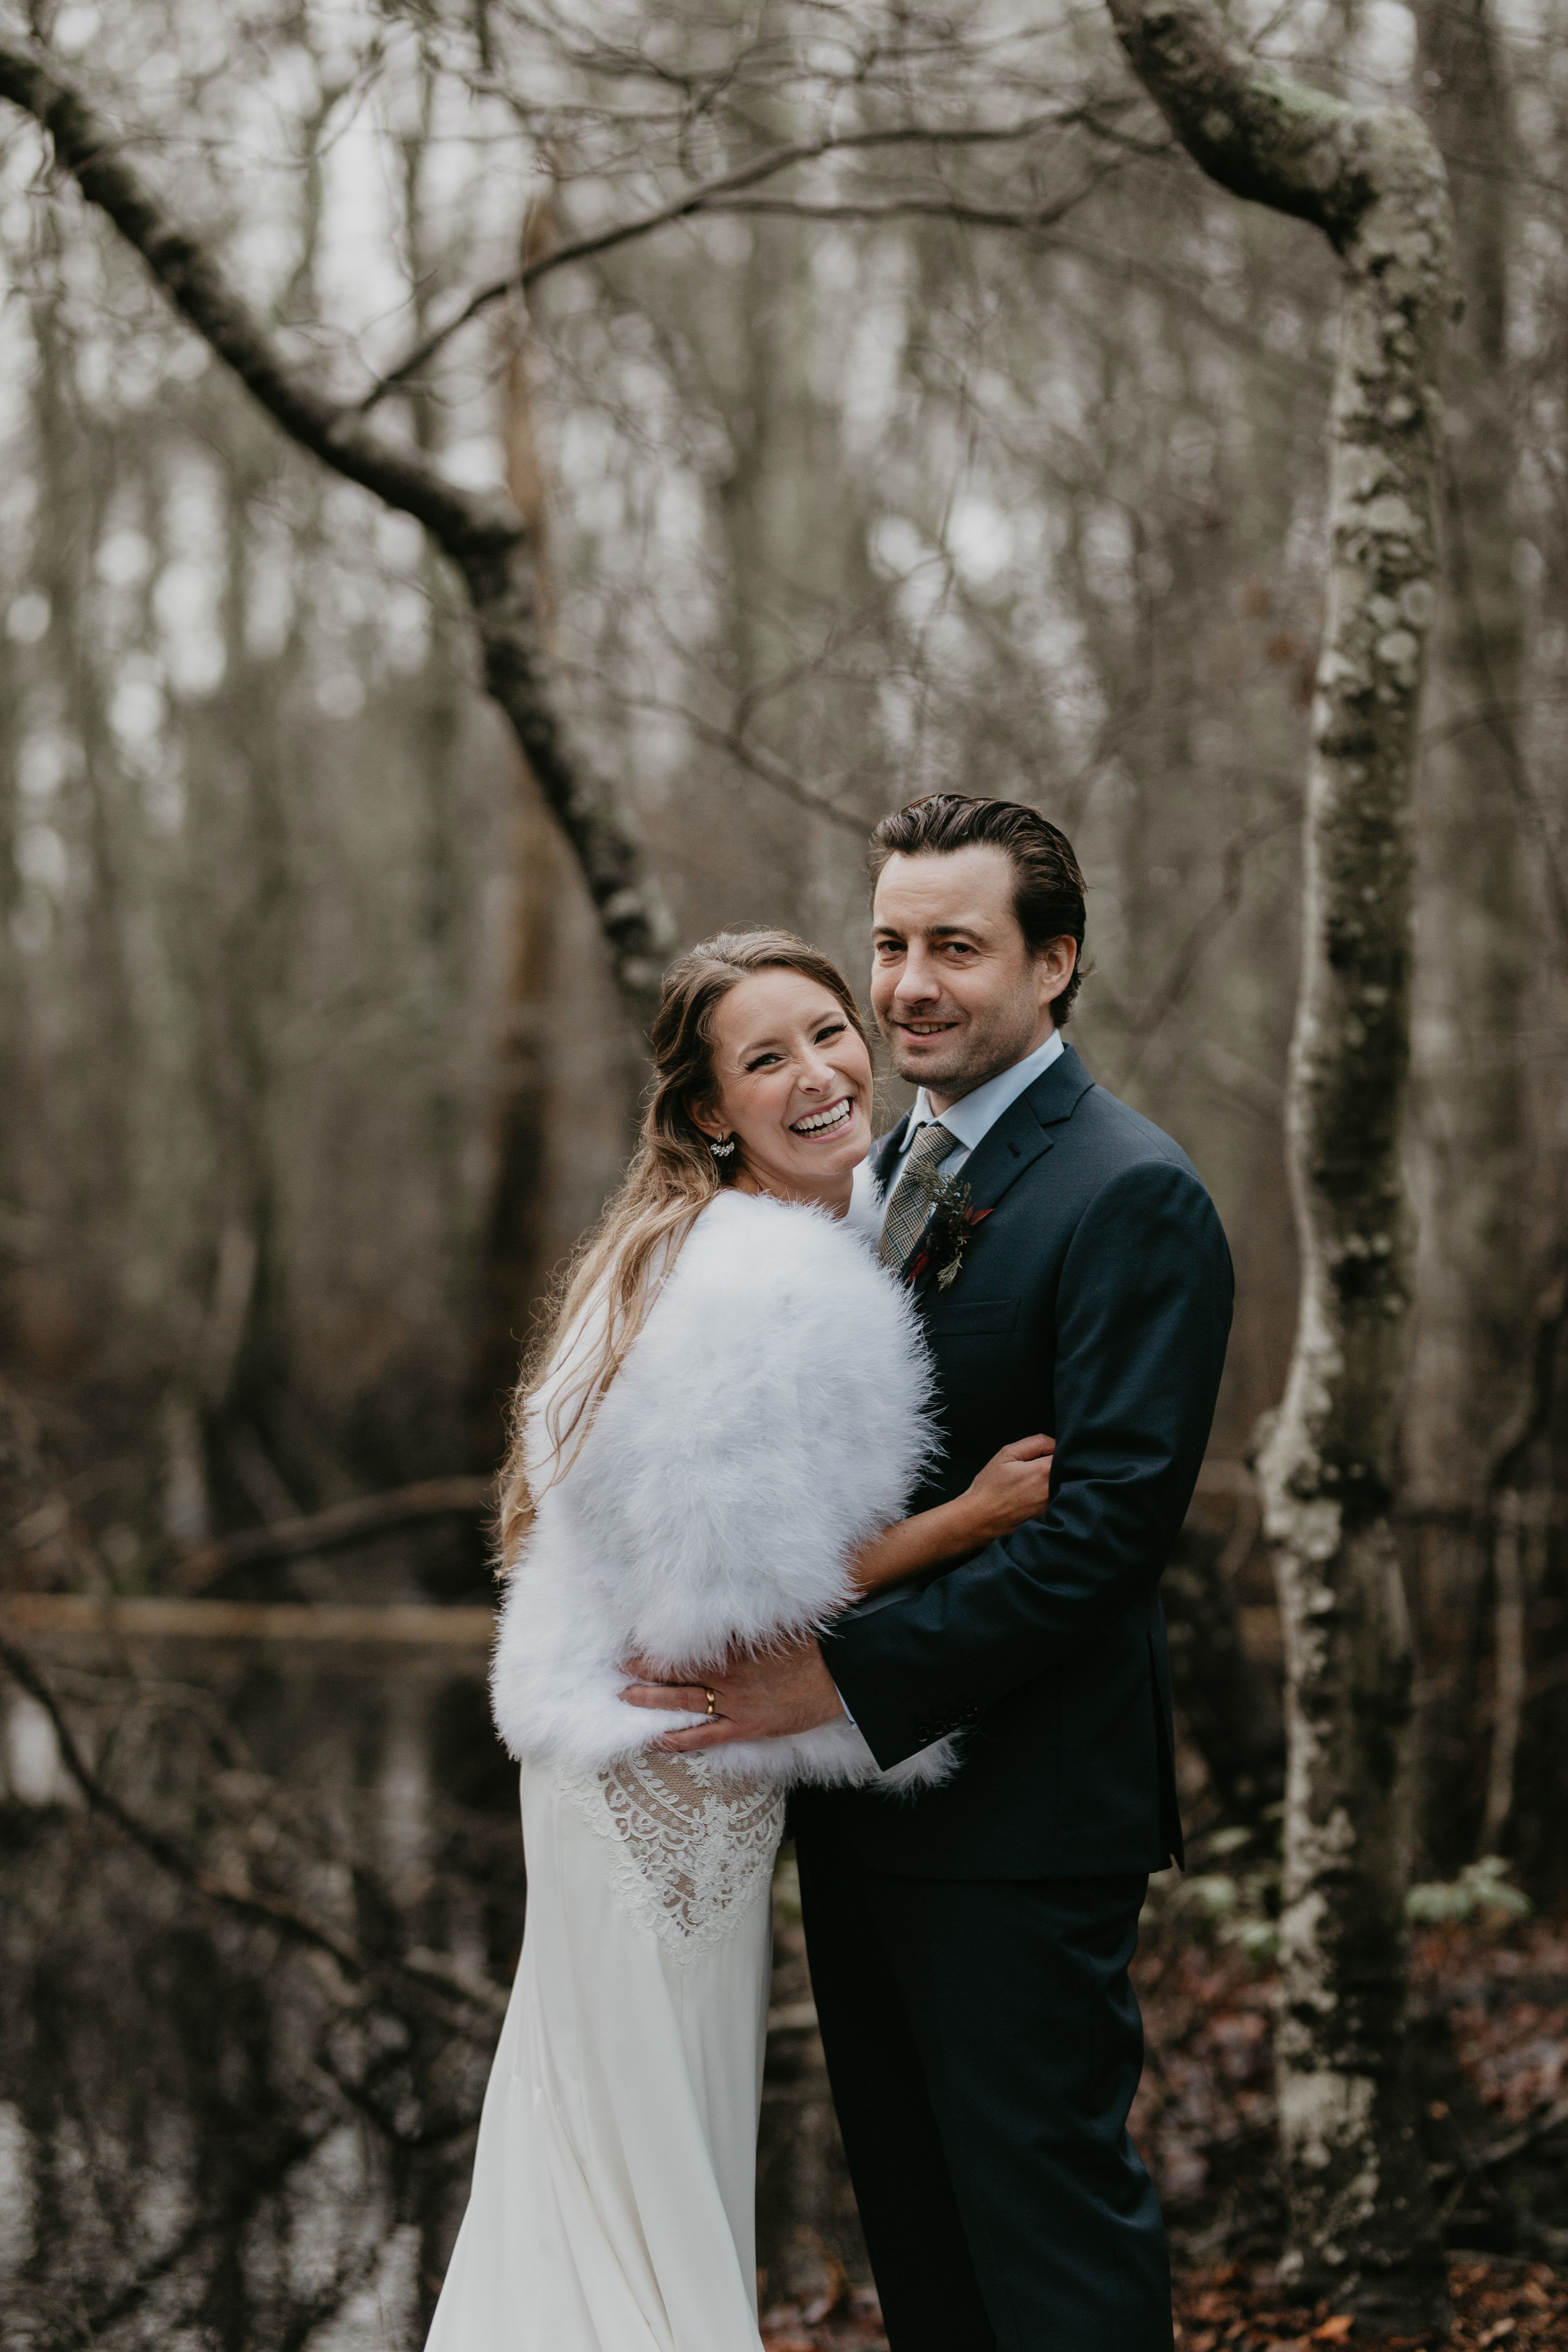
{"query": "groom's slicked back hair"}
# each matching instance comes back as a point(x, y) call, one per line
point(1048, 884)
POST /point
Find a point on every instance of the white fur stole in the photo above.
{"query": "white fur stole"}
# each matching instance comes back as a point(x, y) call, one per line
point(772, 1413)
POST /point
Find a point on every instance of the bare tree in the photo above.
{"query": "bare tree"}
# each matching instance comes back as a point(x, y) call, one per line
point(491, 545)
point(1001, 493)
point(934, 167)
point(480, 532)
point(1475, 951)
point(1362, 2225)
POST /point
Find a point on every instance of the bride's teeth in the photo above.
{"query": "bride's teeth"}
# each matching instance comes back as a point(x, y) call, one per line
point(823, 1119)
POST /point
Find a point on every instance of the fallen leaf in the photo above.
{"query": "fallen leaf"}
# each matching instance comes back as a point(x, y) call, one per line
point(1495, 2335)
point(1334, 2331)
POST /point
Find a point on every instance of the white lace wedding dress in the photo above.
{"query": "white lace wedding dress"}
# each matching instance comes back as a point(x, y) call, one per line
point(612, 2200)
point(770, 1414)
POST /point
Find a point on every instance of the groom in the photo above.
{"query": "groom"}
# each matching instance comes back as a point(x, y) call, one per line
point(969, 1945)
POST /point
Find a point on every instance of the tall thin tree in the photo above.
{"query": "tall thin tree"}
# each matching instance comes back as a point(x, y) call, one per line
point(1362, 2225)
point(1470, 1375)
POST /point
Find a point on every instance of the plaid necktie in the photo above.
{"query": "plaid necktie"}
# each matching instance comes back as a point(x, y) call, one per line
point(910, 1204)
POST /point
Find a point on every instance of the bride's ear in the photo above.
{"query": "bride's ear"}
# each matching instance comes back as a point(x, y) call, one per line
point(706, 1121)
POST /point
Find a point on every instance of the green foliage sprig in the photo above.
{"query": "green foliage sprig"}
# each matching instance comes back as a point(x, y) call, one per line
point(1480, 1887)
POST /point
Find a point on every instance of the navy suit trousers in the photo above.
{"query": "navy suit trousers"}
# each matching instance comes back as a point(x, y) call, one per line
point(983, 2045)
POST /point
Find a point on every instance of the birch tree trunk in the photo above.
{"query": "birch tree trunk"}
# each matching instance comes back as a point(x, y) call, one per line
point(1470, 1375)
point(1362, 2228)
point(480, 531)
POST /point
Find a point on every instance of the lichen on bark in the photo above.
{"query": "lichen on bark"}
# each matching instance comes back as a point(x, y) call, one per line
point(1362, 2224)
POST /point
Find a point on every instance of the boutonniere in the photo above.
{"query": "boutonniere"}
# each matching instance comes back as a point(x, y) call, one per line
point(953, 1218)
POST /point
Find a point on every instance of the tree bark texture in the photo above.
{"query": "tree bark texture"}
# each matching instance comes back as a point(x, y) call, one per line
point(515, 1268)
point(1470, 1144)
point(480, 532)
point(1362, 2228)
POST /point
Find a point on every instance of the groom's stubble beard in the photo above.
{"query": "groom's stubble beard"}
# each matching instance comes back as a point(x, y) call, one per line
point(987, 1041)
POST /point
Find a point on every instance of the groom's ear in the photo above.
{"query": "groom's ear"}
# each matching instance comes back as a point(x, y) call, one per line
point(1055, 963)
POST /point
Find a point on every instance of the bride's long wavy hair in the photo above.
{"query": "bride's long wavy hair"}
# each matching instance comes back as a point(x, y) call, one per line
point(672, 1177)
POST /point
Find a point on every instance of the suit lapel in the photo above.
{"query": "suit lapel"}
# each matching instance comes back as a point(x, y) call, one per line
point(1020, 1137)
point(1024, 1130)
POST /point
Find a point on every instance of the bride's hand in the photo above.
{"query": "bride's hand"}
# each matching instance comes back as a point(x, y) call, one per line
point(1015, 1486)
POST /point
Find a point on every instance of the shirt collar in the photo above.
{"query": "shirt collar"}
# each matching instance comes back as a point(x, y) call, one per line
point(974, 1115)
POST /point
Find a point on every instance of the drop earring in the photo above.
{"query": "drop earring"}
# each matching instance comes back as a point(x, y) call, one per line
point(722, 1151)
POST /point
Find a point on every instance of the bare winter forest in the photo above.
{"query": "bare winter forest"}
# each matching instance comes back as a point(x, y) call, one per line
point(492, 490)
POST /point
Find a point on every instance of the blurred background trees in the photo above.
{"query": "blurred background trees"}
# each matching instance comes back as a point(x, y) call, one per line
point(894, 406)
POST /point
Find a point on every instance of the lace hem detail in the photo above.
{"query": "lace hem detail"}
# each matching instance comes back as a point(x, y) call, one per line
point(690, 1854)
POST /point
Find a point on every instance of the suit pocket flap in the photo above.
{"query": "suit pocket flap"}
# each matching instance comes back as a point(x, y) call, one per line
point(959, 1318)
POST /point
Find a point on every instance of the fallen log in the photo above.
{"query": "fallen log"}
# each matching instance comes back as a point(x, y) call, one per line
point(334, 1530)
point(159, 1618)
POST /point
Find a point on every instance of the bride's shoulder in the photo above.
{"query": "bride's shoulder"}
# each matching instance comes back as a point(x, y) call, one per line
point(767, 1301)
point(754, 1240)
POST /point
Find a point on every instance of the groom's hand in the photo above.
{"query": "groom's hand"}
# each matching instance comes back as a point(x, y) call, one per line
point(763, 1697)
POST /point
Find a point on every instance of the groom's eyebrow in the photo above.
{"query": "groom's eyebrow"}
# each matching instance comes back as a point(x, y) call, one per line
point(928, 931)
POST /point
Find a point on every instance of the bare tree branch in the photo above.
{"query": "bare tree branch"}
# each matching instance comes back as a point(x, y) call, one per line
point(757, 760)
point(49, 1524)
point(256, 2182)
point(427, 1625)
point(1137, 269)
point(1263, 136)
point(269, 1910)
point(1167, 996)
point(953, 208)
point(480, 530)
point(710, 197)
point(333, 1530)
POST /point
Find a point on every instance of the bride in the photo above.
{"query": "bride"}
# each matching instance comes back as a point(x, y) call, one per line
point(715, 1449)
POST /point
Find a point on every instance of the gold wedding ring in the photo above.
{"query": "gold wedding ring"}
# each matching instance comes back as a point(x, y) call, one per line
point(713, 1701)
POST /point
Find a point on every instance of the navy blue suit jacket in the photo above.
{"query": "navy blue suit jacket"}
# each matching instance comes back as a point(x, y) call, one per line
point(1093, 1303)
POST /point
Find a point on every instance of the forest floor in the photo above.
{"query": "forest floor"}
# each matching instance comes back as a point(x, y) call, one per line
point(1496, 2301)
point(1489, 2031)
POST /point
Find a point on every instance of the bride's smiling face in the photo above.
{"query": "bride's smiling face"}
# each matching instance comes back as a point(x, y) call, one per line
point(792, 1085)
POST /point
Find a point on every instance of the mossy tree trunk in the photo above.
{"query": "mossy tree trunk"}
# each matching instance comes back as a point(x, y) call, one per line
point(1362, 2225)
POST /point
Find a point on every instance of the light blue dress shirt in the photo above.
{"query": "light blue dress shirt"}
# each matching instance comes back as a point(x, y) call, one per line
point(970, 1118)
